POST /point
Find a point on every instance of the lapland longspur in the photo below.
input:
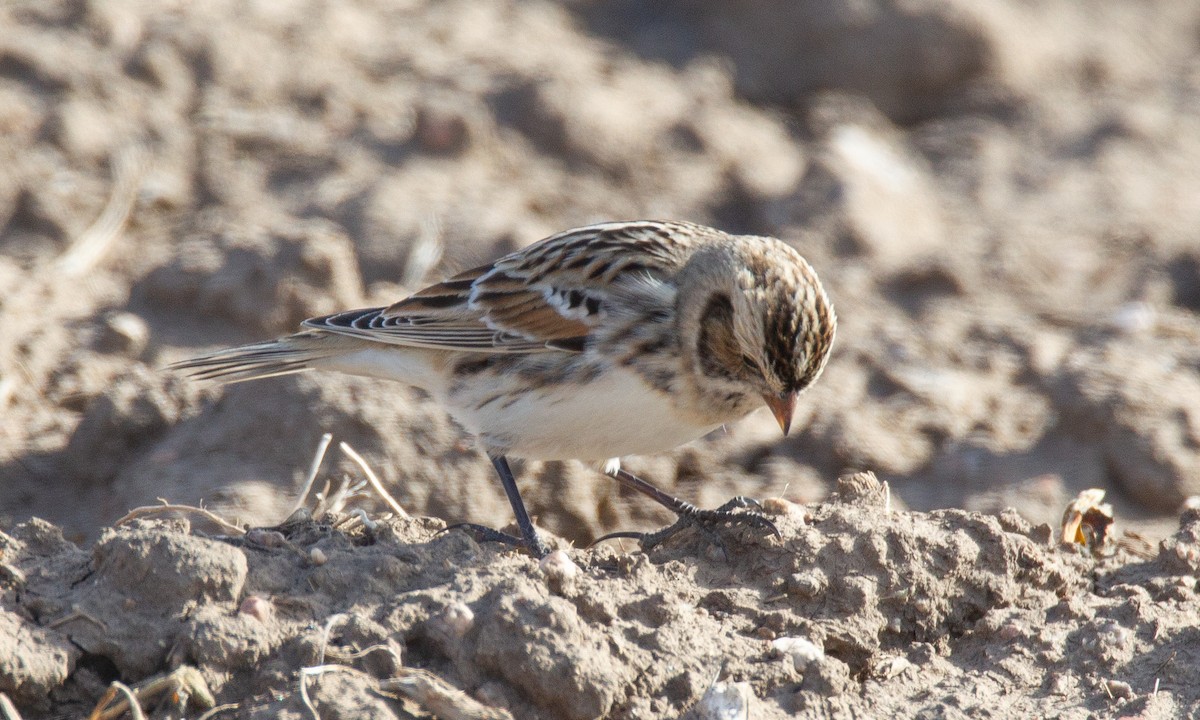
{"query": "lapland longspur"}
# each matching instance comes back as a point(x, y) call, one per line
point(608, 340)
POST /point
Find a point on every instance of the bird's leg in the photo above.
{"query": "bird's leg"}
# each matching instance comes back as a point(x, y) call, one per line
point(688, 513)
point(529, 537)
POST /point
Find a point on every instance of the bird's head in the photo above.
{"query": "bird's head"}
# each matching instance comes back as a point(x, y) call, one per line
point(761, 323)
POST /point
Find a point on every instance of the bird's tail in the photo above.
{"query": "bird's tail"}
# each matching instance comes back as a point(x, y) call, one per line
point(291, 354)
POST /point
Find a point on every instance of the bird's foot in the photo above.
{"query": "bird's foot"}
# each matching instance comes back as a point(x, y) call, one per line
point(536, 546)
point(706, 521)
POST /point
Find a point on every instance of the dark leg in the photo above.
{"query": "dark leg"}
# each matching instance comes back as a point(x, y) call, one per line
point(689, 514)
point(528, 533)
point(529, 538)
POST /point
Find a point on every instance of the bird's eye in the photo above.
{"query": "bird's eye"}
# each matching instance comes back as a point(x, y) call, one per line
point(750, 364)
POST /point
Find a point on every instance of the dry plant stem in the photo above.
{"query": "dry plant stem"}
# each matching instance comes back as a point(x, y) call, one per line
point(318, 458)
point(321, 667)
point(374, 480)
point(304, 695)
point(109, 695)
point(325, 631)
point(321, 505)
point(7, 710)
point(187, 679)
point(130, 704)
point(93, 243)
point(427, 690)
point(340, 657)
point(218, 710)
point(77, 615)
point(184, 682)
point(135, 708)
point(336, 501)
point(440, 698)
point(353, 520)
point(361, 516)
point(318, 670)
point(152, 510)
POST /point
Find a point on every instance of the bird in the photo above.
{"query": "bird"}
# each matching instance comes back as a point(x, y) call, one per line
point(609, 340)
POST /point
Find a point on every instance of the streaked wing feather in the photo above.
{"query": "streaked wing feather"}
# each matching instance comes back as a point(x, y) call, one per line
point(549, 296)
point(424, 332)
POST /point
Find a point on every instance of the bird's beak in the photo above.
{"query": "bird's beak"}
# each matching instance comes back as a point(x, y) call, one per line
point(782, 407)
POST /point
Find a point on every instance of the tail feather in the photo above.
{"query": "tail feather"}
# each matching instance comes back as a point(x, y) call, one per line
point(284, 356)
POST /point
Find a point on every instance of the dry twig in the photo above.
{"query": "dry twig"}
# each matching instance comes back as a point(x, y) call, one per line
point(77, 614)
point(129, 703)
point(153, 510)
point(183, 685)
point(7, 710)
point(92, 244)
point(318, 458)
point(317, 671)
point(440, 698)
point(335, 502)
point(374, 480)
point(218, 710)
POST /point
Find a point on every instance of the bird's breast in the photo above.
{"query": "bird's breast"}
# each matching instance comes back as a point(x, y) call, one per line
point(593, 413)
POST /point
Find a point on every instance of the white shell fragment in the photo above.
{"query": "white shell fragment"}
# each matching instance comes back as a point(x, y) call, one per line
point(803, 652)
point(725, 701)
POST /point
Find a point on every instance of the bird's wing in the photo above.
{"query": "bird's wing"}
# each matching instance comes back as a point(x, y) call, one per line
point(550, 296)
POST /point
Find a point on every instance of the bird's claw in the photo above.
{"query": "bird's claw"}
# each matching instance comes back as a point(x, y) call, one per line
point(704, 520)
point(482, 533)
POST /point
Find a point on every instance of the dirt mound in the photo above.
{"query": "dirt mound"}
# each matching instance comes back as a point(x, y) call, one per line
point(857, 608)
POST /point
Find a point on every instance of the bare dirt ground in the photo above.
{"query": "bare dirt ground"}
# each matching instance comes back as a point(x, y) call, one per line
point(1002, 200)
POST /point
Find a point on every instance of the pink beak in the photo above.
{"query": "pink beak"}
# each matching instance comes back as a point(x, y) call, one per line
point(782, 407)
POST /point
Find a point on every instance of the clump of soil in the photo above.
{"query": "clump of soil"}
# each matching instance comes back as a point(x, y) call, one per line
point(856, 608)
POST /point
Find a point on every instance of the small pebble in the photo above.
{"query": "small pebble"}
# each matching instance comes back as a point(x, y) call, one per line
point(1118, 689)
point(807, 584)
point(559, 565)
point(492, 693)
point(317, 557)
point(123, 333)
point(1009, 632)
point(1113, 635)
point(783, 508)
point(257, 607)
point(559, 570)
point(803, 652)
point(458, 619)
point(266, 538)
point(1060, 685)
point(891, 667)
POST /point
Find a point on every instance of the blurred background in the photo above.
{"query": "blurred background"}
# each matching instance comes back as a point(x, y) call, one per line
point(1003, 200)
